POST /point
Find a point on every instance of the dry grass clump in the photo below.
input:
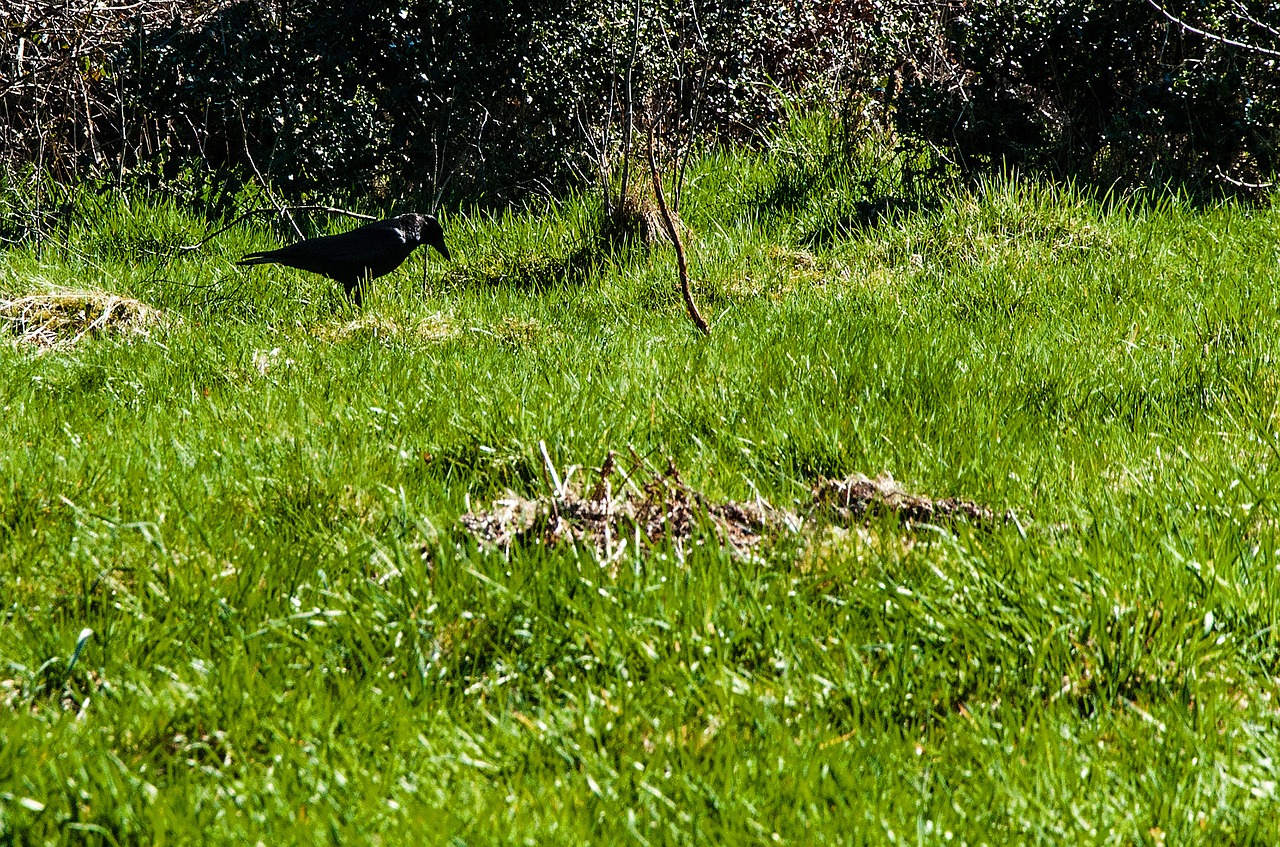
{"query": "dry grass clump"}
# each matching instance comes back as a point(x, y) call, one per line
point(518, 332)
point(64, 318)
point(636, 218)
point(378, 328)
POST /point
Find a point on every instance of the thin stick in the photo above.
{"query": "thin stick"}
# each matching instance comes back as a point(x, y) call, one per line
point(1257, 186)
point(266, 186)
point(550, 469)
point(668, 223)
point(630, 104)
point(279, 210)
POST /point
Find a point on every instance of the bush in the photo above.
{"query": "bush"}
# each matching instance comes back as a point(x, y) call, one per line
point(1102, 90)
point(393, 100)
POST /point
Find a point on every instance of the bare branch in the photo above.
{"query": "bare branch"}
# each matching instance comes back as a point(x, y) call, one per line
point(266, 186)
point(1244, 15)
point(1230, 42)
point(669, 224)
point(1257, 186)
point(630, 103)
point(278, 210)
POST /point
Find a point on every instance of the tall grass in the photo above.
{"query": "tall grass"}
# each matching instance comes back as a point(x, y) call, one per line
point(253, 509)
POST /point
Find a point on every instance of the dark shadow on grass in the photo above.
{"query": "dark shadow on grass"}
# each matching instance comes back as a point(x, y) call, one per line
point(844, 193)
point(485, 469)
point(530, 273)
point(789, 190)
point(863, 215)
point(609, 239)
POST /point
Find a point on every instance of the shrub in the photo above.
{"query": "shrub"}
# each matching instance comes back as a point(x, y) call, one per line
point(1104, 90)
point(390, 99)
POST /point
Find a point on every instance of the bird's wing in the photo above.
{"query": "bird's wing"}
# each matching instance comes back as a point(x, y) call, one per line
point(363, 246)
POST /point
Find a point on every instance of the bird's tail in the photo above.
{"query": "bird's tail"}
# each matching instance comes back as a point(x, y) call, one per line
point(256, 259)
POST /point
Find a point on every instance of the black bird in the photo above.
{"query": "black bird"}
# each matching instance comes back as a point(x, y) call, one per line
point(366, 252)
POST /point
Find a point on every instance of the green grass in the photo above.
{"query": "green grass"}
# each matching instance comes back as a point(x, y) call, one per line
point(254, 510)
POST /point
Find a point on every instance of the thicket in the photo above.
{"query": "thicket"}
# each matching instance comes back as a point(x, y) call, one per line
point(443, 100)
point(1184, 93)
point(395, 98)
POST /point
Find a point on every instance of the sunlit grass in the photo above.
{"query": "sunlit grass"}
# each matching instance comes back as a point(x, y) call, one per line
point(253, 508)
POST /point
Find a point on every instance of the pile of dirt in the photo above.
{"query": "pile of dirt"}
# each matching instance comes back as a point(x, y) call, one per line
point(651, 507)
point(63, 319)
point(661, 507)
point(857, 497)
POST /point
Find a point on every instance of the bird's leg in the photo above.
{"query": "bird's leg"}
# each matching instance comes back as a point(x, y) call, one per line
point(356, 293)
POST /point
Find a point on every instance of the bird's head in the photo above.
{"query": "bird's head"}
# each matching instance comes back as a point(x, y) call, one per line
point(427, 230)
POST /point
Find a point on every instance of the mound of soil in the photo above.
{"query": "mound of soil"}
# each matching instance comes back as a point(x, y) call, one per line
point(63, 319)
point(856, 497)
point(663, 507)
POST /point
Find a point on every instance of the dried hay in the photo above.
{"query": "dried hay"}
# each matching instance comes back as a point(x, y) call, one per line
point(64, 318)
point(516, 332)
point(799, 260)
point(370, 327)
point(636, 217)
point(802, 267)
point(268, 361)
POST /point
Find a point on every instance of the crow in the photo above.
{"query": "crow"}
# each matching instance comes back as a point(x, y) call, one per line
point(366, 252)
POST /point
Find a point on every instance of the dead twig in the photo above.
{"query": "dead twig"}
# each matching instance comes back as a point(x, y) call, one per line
point(1204, 33)
point(333, 210)
point(266, 186)
point(682, 265)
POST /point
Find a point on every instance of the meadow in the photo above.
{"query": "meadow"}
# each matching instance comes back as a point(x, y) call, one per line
point(239, 605)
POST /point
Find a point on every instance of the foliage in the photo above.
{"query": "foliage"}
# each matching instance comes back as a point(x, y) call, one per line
point(426, 101)
point(384, 99)
point(1104, 90)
